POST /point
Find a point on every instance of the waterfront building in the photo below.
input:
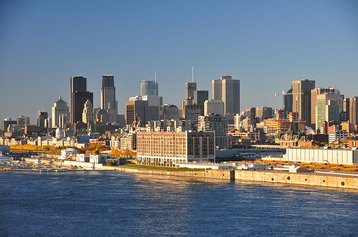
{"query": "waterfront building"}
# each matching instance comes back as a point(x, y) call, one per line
point(148, 88)
point(59, 113)
point(108, 97)
point(170, 148)
point(79, 95)
point(227, 90)
point(23, 120)
point(214, 107)
point(330, 156)
point(301, 92)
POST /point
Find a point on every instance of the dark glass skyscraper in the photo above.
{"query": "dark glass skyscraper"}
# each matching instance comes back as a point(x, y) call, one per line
point(79, 95)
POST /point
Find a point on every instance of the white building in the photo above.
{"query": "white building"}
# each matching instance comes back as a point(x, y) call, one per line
point(213, 107)
point(330, 156)
point(59, 113)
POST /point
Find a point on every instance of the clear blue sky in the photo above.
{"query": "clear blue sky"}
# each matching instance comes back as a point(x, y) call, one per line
point(265, 44)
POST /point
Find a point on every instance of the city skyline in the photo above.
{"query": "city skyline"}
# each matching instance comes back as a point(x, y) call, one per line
point(315, 41)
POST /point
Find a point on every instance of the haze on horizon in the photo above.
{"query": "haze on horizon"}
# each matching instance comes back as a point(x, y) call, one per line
point(265, 44)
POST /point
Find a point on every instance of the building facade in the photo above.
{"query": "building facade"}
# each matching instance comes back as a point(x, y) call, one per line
point(301, 92)
point(108, 97)
point(59, 113)
point(79, 95)
point(227, 90)
point(170, 148)
point(148, 88)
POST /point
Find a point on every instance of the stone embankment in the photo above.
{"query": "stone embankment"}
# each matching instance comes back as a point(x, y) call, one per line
point(305, 178)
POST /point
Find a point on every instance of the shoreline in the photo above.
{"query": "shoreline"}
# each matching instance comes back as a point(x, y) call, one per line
point(329, 180)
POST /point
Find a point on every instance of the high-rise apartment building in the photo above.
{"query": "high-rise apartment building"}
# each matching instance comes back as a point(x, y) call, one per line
point(79, 95)
point(59, 113)
point(227, 90)
point(148, 88)
point(301, 99)
point(108, 97)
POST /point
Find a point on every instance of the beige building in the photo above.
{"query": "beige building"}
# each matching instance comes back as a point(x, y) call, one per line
point(170, 148)
point(213, 107)
point(227, 90)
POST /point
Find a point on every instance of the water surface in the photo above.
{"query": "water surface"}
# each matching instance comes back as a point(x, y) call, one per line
point(122, 204)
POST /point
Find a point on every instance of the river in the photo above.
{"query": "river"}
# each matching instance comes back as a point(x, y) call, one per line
point(124, 204)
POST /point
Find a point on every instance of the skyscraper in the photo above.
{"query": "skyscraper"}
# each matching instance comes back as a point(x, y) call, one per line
point(314, 93)
point(42, 119)
point(353, 111)
point(148, 88)
point(227, 90)
point(108, 97)
point(301, 92)
point(190, 87)
point(59, 113)
point(287, 101)
point(327, 109)
point(79, 95)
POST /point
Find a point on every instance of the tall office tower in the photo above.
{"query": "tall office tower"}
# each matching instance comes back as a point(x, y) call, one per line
point(327, 109)
point(314, 93)
point(79, 95)
point(190, 87)
point(59, 113)
point(227, 90)
point(42, 119)
point(170, 112)
point(346, 106)
point(23, 120)
point(287, 101)
point(200, 96)
point(353, 111)
point(301, 91)
point(137, 111)
point(148, 88)
point(108, 97)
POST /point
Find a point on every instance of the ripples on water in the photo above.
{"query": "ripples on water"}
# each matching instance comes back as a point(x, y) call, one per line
point(120, 204)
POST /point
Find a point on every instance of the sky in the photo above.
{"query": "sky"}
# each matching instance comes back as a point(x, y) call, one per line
point(264, 44)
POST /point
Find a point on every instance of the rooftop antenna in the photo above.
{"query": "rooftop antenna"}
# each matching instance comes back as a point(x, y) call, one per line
point(192, 73)
point(155, 75)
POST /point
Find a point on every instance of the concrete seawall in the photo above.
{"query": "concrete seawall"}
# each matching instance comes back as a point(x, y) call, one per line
point(209, 174)
point(323, 180)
